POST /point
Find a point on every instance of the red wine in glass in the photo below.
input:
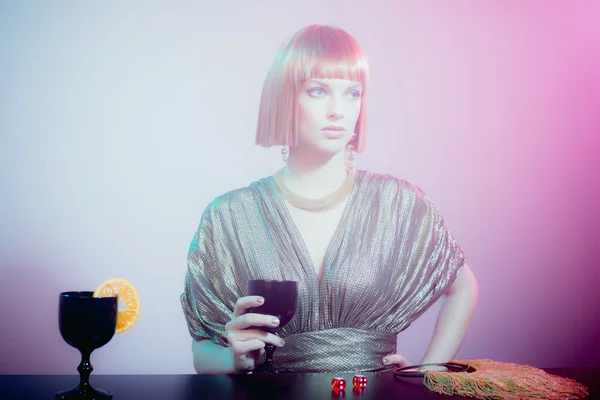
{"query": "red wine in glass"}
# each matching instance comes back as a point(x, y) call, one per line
point(280, 301)
point(86, 323)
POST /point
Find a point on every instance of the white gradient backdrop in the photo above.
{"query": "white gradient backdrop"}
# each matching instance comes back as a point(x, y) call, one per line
point(121, 121)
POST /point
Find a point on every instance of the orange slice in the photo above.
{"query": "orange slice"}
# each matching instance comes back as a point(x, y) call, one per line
point(128, 307)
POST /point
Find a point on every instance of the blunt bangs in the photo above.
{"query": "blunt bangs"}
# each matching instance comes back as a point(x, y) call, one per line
point(327, 53)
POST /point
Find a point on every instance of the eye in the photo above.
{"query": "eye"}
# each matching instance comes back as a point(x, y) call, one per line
point(355, 94)
point(317, 92)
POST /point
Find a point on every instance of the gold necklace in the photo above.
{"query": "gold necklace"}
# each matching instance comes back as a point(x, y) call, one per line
point(316, 205)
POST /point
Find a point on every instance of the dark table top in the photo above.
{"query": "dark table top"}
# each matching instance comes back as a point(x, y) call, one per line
point(257, 386)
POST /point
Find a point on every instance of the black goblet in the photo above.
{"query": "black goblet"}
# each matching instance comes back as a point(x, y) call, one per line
point(86, 323)
point(280, 301)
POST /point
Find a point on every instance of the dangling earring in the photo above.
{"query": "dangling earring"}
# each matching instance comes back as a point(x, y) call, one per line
point(350, 150)
point(284, 155)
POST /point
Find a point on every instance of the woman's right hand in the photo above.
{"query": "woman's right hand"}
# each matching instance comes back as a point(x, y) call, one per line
point(248, 344)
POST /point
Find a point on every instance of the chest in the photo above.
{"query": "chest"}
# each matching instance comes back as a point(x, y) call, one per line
point(316, 231)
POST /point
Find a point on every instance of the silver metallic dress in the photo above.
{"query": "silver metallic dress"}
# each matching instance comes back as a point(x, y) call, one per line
point(390, 258)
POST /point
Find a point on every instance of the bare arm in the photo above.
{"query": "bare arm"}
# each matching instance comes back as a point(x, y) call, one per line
point(454, 318)
point(211, 358)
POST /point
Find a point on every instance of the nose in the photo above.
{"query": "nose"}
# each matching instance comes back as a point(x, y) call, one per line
point(335, 108)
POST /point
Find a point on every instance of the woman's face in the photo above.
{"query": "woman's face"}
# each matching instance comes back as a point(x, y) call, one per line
point(327, 113)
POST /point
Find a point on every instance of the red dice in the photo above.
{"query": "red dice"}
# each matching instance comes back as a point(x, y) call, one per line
point(359, 382)
point(338, 384)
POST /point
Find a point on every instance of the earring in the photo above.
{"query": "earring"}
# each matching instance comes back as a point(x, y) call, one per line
point(284, 154)
point(350, 150)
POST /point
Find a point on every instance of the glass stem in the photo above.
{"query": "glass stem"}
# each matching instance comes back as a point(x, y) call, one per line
point(269, 350)
point(85, 369)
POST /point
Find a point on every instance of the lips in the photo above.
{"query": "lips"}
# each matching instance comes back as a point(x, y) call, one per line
point(334, 128)
point(333, 132)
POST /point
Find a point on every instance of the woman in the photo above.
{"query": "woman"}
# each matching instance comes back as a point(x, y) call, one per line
point(370, 252)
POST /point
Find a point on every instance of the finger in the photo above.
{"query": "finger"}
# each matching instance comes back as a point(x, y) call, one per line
point(255, 354)
point(240, 349)
point(250, 334)
point(244, 303)
point(244, 354)
point(398, 359)
point(252, 319)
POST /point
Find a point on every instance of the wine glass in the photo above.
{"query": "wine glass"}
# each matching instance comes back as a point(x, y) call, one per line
point(280, 301)
point(86, 323)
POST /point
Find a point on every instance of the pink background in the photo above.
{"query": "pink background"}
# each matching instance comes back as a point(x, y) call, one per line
point(120, 122)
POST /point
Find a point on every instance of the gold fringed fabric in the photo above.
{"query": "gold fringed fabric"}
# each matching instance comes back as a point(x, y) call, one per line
point(495, 380)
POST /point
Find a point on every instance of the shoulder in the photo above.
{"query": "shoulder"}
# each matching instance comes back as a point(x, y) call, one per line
point(389, 184)
point(398, 197)
point(235, 200)
point(401, 198)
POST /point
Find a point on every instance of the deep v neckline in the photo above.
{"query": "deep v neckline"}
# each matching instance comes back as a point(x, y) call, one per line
point(298, 241)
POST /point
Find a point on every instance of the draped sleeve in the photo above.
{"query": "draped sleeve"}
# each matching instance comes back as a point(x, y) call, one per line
point(431, 257)
point(211, 288)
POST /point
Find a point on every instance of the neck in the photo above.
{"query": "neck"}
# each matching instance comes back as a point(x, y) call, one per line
point(313, 175)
